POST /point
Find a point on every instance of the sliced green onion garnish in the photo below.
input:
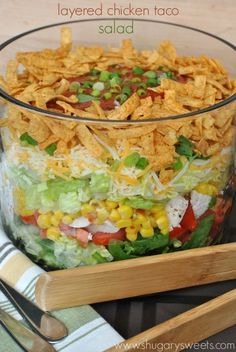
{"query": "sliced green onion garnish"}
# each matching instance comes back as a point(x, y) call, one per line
point(74, 86)
point(87, 84)
point(104, 76)
point(51, 149)
point(115, 81)
point(136, 79)
point(84, 98)
point(99, 85)
point(150, 74)
point(95, 93)
point(126, 90)
point(152, 82)
point(132, 159)
point(114, 74)
point(121, 98)
point(143, 85)
point(93, 78)
point(107, 95)
point(94, 72)
point(123, 72)
point(141, 92)
point(138, 70)
point(115, 90)
point(25, 137)
point(142, 163)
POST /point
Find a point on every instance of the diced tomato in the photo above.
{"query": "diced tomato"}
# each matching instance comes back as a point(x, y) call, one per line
point(29, 219)
point(68, 93)
point(182, 78)
point(107, 104)
point(177, 232)
point(104, 238)
point(189, 221)
point(83, 237)
point(153, 94)
point(53, 105)
point(82, 106)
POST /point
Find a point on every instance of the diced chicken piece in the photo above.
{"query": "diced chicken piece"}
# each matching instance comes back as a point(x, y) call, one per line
point(176, 209)
point(200, 203)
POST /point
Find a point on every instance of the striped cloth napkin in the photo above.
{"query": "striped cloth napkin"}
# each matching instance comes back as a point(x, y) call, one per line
point(88, 331)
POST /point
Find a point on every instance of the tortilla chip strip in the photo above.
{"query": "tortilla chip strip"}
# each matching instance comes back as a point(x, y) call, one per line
point(60, 130)
point(52, 139)
point(4, 122)
point(125, 109)
point(87, 139)
point(133, 132)
point(99, 110)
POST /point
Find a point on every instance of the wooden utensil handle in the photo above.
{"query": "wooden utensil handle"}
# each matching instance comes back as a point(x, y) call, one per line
point(128, 278)
point(190, 327)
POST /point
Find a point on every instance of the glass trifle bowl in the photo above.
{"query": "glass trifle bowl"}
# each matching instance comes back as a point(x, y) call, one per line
point(115, 146)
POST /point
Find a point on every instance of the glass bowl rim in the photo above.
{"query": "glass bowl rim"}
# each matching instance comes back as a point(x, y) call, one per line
point(62, 116)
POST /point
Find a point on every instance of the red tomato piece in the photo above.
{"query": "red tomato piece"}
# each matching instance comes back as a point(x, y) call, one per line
point(153, 94)
point(83, 237)
point(104, 238)
point(68, 230)
point(177, 232)
point(43, 233)
point(107, 104)
point(189, 221)
point(29, 219)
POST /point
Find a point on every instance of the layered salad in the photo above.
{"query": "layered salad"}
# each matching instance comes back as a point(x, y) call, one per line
point(121, 175)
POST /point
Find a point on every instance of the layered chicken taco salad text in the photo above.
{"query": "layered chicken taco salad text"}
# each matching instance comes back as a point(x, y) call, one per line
point(86, 193)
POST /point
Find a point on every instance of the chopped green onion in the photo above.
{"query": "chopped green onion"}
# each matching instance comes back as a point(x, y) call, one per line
point(177, 165)
point(94, 72)
point(51, 149)
point(74, 86)
point(25, 137)
point(152, 82)
point(114, 74)
point(136, 79)
point(87, 84)
point(143, 85)
point(142, 163)
point(99, 85)
point(141, 92)
point(150, 74)
point(104, 76)
point(121, 98)
point(115, 90)
point(107, 95)
point(80, 90)
point(138, 70)
point(115, 81)
point(84, 98)
point(132, 159)
point(126, 90)
point(95, 93)
point(123, 72)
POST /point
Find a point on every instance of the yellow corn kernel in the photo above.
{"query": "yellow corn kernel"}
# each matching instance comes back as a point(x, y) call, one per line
point(146, 224)
point(25, 212)
point(162, 221)
point(147, 231)
point(140, 218)
point(114, 215)
point(110, 204)
point(67, 219)
point(157, 208)
point(54, 220)
point(102, 215)
point(53, 233)
point(153, 221)
point(44, 221)
point(86, 208)
point(125, 211)
point(161, 213)
point(124, 223)
point(131, 234)
point(58, 214)
point(207, 188)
